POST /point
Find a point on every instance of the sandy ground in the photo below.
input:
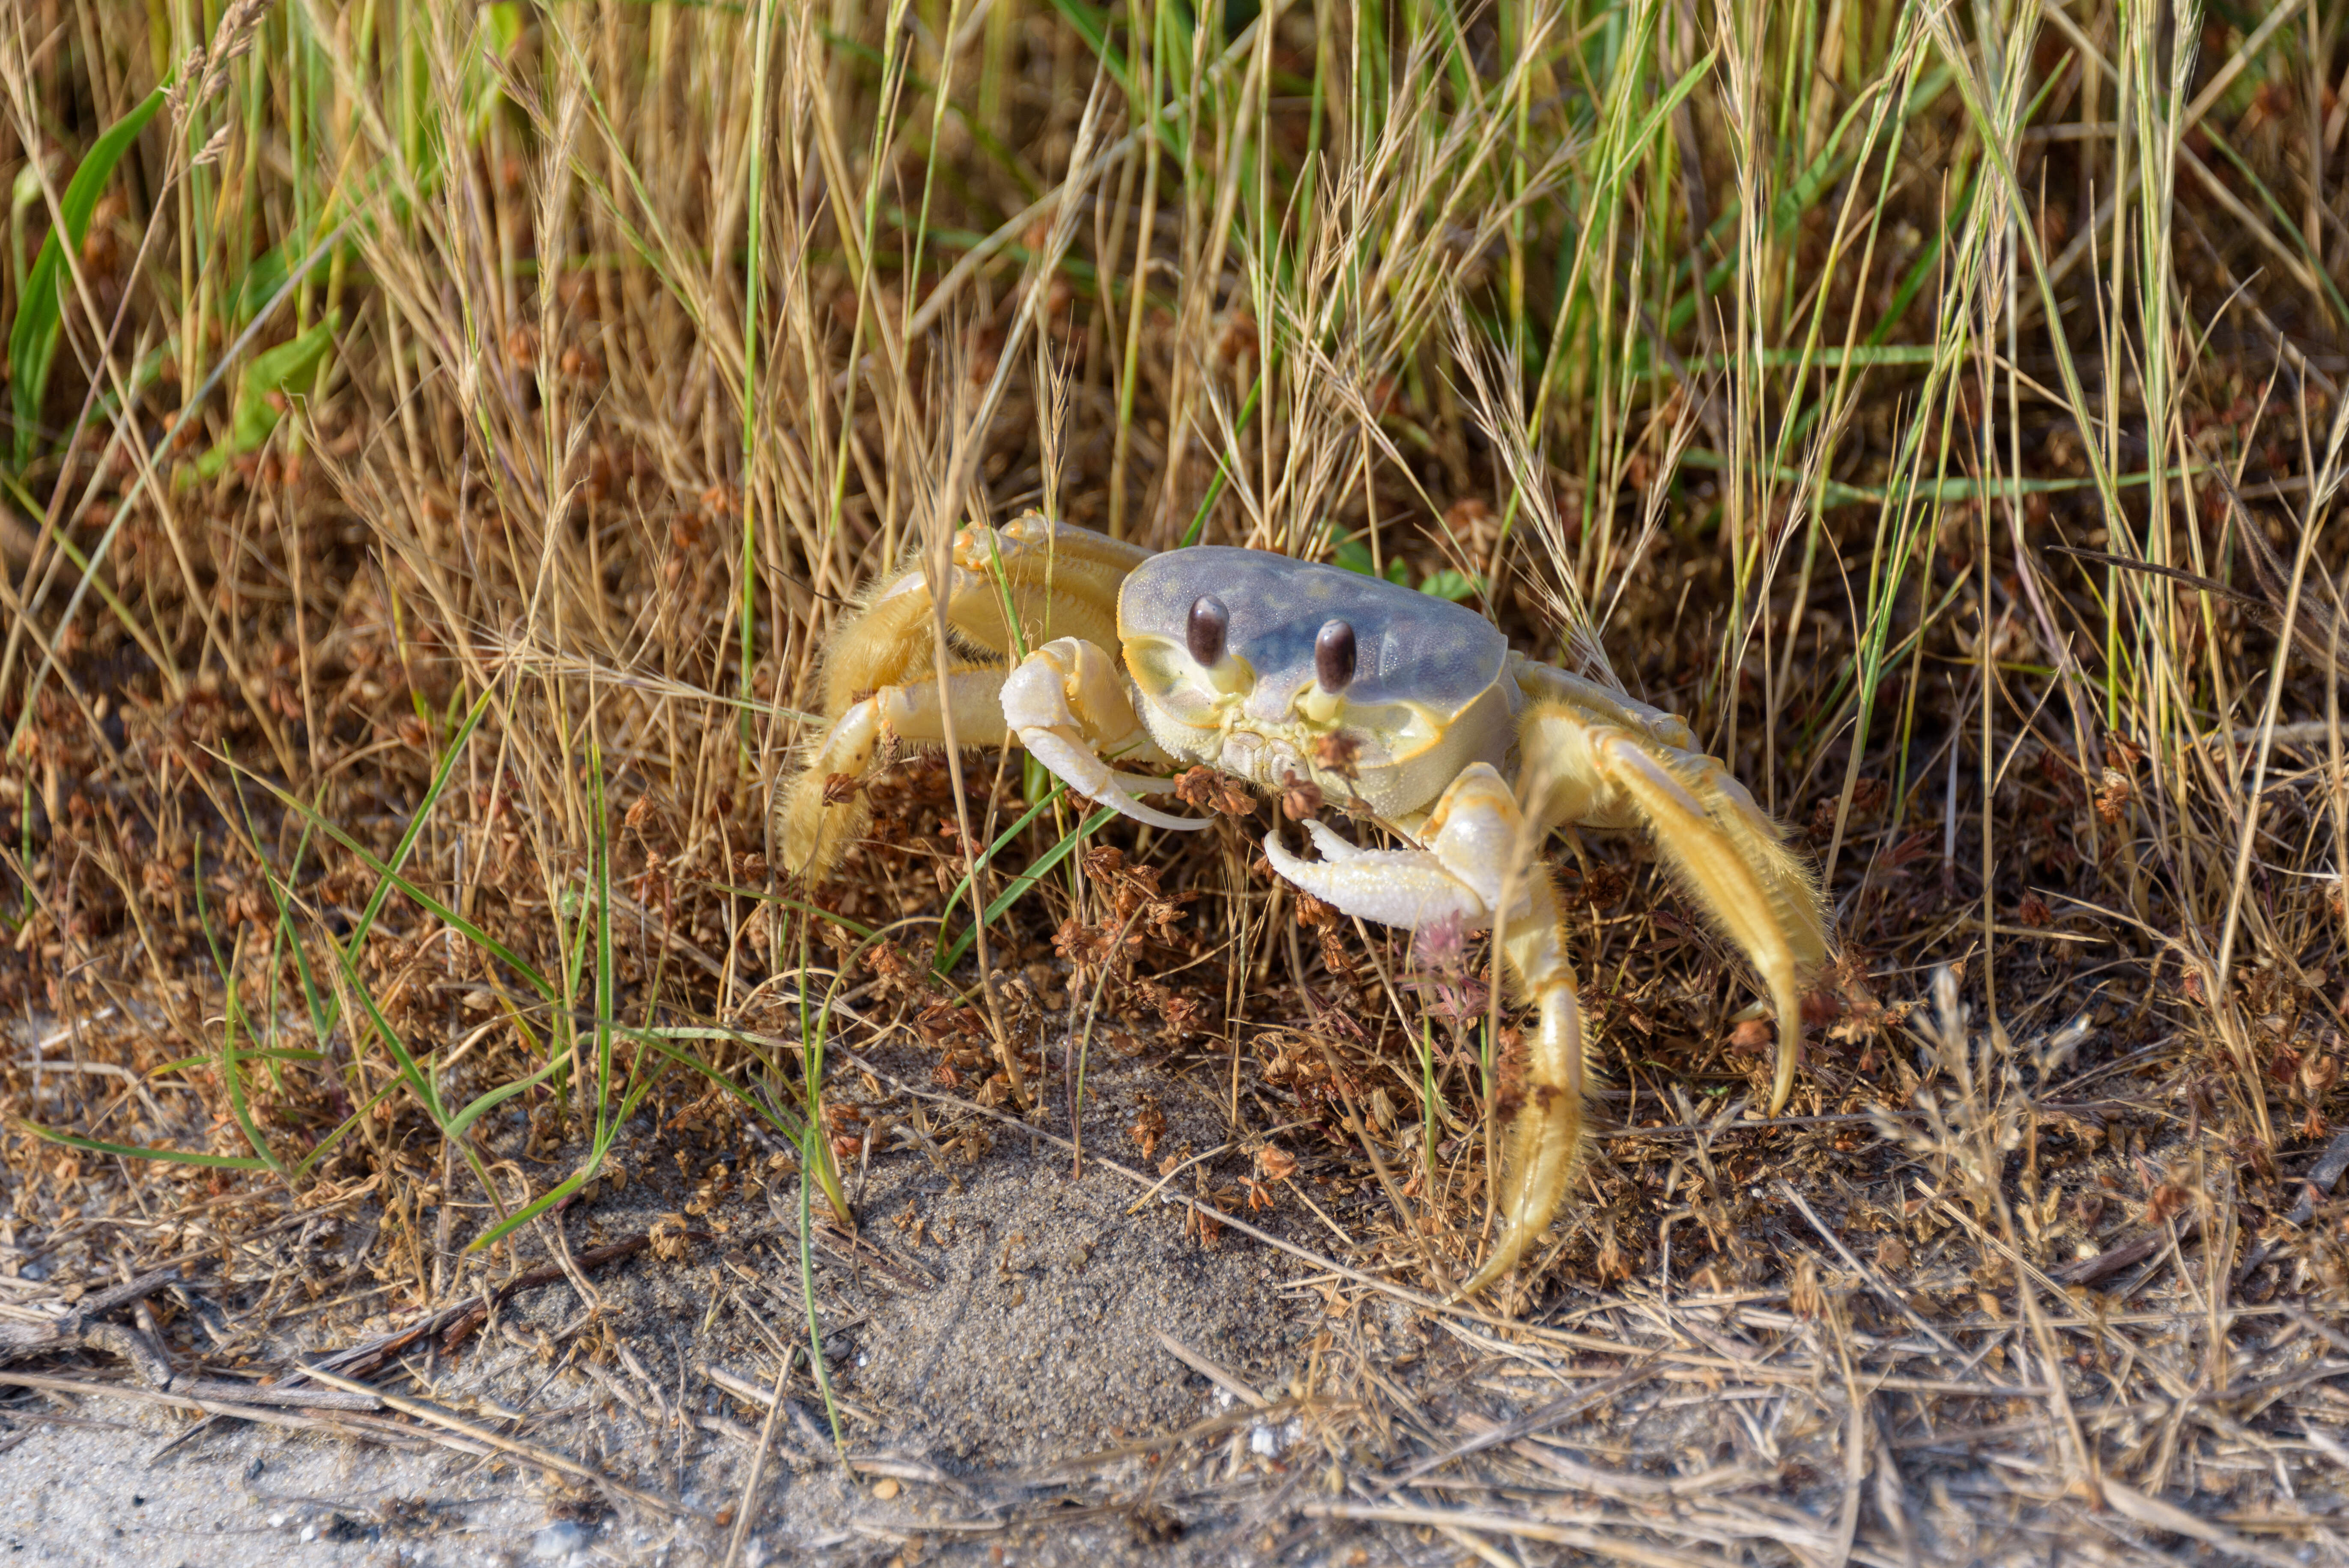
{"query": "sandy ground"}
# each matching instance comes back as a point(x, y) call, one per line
point(997, 1345)
point(91, 1494)
point(1016, 1330)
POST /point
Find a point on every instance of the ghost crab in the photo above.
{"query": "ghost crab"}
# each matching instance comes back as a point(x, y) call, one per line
point(1414, 711)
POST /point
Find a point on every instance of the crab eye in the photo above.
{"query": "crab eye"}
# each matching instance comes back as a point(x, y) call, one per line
point(1333, 656)
point(1209, 622)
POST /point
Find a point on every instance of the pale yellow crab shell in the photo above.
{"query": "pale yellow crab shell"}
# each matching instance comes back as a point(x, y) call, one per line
point(1431, 693)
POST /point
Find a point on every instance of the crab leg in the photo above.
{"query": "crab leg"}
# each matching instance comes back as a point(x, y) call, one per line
point(813, 830)
point(1067, 705)
point(1545, 1138)
point(1727, 853)
point(1474, 870)
point(1002, 588)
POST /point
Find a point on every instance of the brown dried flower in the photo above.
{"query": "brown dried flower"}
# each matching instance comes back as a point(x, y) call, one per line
point(1299, 798)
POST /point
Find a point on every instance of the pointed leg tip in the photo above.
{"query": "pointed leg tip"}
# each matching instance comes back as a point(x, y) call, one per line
point(1499, 1264)
point(1790, 1045)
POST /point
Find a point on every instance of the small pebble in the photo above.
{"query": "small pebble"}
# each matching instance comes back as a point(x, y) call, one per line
point(558, 1540)
point(886, 1488)
point(1271, 1441)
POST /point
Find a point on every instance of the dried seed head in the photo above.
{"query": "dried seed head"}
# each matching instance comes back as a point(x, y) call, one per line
point(1339, 753)
point(2113, 799)
point(1299, 798)
point(212, 150)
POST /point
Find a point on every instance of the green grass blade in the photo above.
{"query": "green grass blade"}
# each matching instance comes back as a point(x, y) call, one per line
point(807, 909)
point(1092, 26)
point(266, 1054)
point(810, 1152)
point(481, 1105)
point(417, 1080)
point(438, 787)
point(344, 1128)
point(605, 979)
point(658, 1039)
point(135, 1152)
point(538, 1205)
point(40, 314)
point(231, 1069)
point(393, 881)
point(313, 1000)
point(1023, 883)
point(962, 888)
point(388, 871)
point(1222, 475)
point(571, 1184)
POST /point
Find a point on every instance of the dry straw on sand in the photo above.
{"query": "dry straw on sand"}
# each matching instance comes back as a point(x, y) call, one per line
point(443, 437)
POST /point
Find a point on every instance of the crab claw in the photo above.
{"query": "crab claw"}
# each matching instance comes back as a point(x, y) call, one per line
point(1409, 888)
point(1091, 776)
point(1471, 865)
point(1063, 693)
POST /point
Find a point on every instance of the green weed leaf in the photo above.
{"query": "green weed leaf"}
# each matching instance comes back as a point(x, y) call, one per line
point(1354, 555)
point(261, 392)
point(1456, 586)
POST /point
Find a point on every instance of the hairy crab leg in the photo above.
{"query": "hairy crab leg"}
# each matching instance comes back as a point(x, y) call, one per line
point(1474, 867)
point(815, 831)
point(1544, 1140)
point(1725, 851)
point(1003, 588)
point(1733, 887)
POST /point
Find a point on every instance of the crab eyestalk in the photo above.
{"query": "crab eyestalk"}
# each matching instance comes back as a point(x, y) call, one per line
point(1333, 671)
point(1207, 635)
point(1209, 625)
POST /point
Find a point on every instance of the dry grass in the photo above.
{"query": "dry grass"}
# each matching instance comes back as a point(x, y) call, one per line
point(463, 426)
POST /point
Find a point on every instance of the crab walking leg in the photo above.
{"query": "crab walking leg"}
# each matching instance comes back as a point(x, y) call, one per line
point(1734, 887)
point(1544, 1147)
point(815, 833)
point(1045, 575)
point(1726, 850)
point(1792, 898)
point(1067, 705)
point(1055, 581)
point(1479, 863)
point(1482, 837)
